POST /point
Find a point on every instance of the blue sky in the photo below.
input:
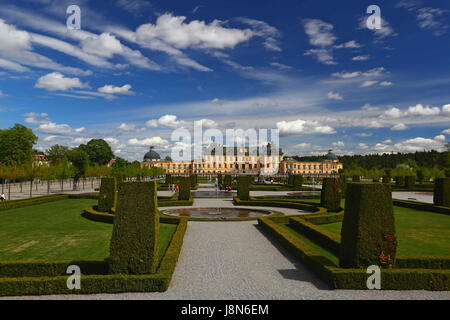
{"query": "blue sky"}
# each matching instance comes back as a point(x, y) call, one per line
point(137, 70)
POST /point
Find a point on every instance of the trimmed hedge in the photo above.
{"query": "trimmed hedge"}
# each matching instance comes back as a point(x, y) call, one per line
point(280, 204)
point(298, 181)
point(91, 284)
point(15, 269)
point(331, 195)
point(243, 192)
point(399, 181)
point(442, 192)
point(168, 179)
point(220, 179)
point(368, 228)
point(410, 182)
point(185, 188)
point(135, 236)
point(108, 194)
point(356, 178)
point(228, 180)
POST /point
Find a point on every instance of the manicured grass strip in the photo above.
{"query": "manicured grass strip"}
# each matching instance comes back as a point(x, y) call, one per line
point(419, 233)
point(310, 243)
point(102, 283)
point(57, 231)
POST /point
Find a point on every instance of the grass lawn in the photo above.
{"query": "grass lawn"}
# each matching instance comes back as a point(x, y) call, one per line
point(57, 231)
point(419, 233)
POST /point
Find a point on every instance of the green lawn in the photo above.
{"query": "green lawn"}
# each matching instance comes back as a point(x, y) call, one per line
point(419, 233)
point(57, 231)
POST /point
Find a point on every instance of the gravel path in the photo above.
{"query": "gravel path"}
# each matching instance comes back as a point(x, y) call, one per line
point(235, 260)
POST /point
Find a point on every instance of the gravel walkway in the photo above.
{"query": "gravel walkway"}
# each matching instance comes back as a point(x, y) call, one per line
point(235, 260)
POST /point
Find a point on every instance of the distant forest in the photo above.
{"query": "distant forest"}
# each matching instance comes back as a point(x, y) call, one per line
point(427, 159)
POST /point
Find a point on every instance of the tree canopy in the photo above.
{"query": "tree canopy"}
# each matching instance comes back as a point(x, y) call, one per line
point(16, 145)
point(99, 151)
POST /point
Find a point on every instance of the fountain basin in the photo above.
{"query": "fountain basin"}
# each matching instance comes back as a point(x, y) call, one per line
point(216, 213)
point(213, 194)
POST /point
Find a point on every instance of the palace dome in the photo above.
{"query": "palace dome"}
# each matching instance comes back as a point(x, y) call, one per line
point(152, 155)
point(331, 156)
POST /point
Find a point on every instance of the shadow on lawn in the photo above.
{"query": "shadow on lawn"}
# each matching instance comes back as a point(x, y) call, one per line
point(300, 273)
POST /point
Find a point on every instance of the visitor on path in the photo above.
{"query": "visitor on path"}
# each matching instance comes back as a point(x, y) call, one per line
point(177, 188)
point(2, 197)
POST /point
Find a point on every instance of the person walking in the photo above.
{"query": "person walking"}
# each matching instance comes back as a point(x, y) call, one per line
point(2, 197)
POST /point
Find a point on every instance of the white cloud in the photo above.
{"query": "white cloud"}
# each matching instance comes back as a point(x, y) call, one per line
point(281, 66)
point(59, 129)
point(338, 144)
point(320, 36)
point(126, 127)
point(262, 29)
point(399, 127)
point(334, 96)
point(110, 140)
point(167, 121)
point(446, 109)
point(361, 58)
point(380, 34)
point(447, 132)
point(386, 84)
point(299, 126)
point(393, 113)
point(387, 141)
point(362, 146)
point(56, 81)
point(110, 89)
point(428, 18)
point(375, 72)
point(207, 123)
point(440, 138)
point(154, 141)
point(174, 31)
point(349, 45)
point(368, 83)
point(419, 144)
point(420, 110)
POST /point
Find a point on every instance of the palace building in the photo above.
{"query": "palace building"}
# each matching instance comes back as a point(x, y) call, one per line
point(241, 161)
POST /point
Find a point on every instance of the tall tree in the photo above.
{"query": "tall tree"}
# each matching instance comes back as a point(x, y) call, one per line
point(16, 145)
point(80, 162)
point(57, 153)
point(99, 151)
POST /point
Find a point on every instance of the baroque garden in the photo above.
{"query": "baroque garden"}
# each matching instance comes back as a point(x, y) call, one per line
point(125, 226)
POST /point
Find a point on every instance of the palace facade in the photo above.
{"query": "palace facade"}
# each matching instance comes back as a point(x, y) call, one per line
point(242, 162)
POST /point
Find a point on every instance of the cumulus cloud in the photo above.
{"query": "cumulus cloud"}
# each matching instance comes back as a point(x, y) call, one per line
point(420, 110)
point(167, 121)
point(349, 45)
point(58, 129)
point(338, 144)
point(393, 113)
point(154, 141)
point(386, 84)
point(174, 30)
point(126, 127)
point(447, 131)
point(334, 96)
point(375, 72)
point(380, 34)
point(368, 83)
point(446, 109)
point(110, 89)
point(298, 127)
point(207, 123)
point(420, 144)
point(362, 146)
point(361, 58)
point(399, 127)
point(56, 81)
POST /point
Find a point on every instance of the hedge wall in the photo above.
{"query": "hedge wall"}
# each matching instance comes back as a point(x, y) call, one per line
point(298, 181)
point(356, 178)
point(168, 179)
point(194, 181)
point(331, 194)
point(291, 180)
point(135, 236)
point(220, 179)
point(400, 181)
point(410, 182)
point(185, 188)
point(228, 180)
point(442, 192)
point(108, 194)
point(244, 187)
point(368, 229)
